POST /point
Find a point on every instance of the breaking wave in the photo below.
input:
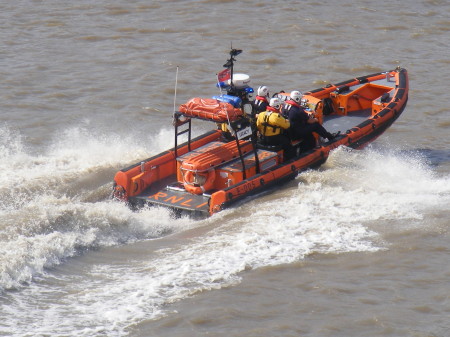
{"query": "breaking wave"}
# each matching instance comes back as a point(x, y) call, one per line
point(55, 204)
point(326, 211)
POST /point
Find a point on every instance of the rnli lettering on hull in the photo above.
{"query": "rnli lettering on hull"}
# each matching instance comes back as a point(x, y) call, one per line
point(174, 199)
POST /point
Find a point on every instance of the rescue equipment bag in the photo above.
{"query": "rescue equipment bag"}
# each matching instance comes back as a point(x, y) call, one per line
point(210, 109)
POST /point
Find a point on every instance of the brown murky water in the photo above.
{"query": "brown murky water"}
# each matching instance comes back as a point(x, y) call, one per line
point(357, 248)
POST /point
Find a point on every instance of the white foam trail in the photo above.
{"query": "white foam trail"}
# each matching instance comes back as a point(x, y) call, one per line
point(40, 225)
point(130, 294)
point(10, 143)
point(60, 228)
point(401, 183)
point(75, 152)
point(329, 212)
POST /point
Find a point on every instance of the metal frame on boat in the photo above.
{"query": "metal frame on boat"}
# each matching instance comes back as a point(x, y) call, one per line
point(209, 173)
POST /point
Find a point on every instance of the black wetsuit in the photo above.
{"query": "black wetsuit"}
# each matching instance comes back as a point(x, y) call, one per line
point(300, 128)
point(260, 104)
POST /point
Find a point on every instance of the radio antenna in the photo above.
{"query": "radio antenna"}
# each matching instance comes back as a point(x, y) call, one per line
point(175, 93)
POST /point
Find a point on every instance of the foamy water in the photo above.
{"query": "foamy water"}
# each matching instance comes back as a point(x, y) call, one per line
point(55, 204)
point(327, 211)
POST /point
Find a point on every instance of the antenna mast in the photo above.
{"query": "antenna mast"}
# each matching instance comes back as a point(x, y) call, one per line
point(230, 61)
point(175, 93)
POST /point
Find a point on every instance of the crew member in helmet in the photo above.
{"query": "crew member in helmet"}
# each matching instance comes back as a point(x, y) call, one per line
point(261, 100)
point(273, 127)
point(302, 124)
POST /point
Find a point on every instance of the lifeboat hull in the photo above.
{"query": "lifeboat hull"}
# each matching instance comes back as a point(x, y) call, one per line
point(361, 109)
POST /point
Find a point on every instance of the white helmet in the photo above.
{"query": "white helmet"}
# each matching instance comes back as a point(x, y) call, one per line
point(263, 91)
point(296, 96)
point(275, 102)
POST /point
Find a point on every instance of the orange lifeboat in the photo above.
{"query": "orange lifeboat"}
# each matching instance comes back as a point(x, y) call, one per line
point(210, 172)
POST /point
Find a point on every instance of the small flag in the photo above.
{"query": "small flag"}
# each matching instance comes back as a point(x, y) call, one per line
point(224, 75)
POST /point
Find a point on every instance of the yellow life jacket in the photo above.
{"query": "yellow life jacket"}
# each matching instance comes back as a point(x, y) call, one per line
point(271, 123)
point(223, 127)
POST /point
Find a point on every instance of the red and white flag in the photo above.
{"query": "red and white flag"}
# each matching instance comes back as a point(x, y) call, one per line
point(224, 75)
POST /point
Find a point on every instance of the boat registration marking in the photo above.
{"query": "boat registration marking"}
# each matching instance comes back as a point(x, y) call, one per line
point(245, 188)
